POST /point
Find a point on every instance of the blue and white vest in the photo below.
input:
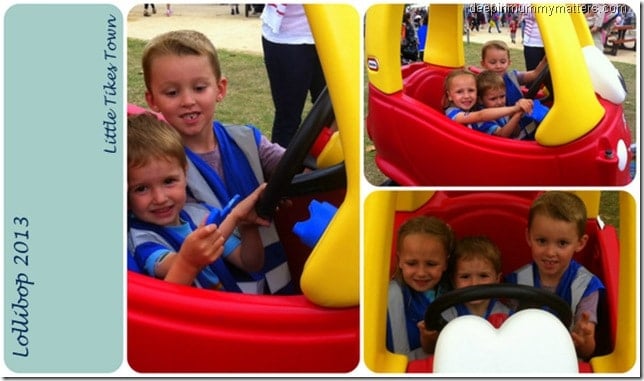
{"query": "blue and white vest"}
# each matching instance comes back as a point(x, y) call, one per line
point(405, 308)
point(495, 307)
point(242, 172)
point(576, 283)
point(527, 125)
point(512, 88)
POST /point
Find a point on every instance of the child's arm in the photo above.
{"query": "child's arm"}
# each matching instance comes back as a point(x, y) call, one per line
point(485, 114)
point(510, 128)
point(530, 76)
point(200, 248)
point(583, 336)
point(583, 331)
point(249, 255)
point(427, 338)
point(244, 211)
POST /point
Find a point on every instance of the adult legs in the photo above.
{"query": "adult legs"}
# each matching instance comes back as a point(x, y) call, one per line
point(145, 9)
point(294, 71)
point(533, 55)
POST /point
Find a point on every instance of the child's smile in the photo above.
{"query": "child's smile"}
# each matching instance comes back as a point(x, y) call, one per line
point(185, 90)
point(553, 243)
point(462, 92)
point(157, 192)
point(422, 260)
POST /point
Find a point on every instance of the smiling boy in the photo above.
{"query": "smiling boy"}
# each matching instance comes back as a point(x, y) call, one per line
point(556, 232)
point(167, 236)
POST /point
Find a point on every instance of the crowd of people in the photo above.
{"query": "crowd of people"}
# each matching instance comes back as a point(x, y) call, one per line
point(150, 9)
point(601, 18)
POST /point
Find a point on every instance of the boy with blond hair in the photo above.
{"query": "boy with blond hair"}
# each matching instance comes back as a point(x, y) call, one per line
point(556, 232)
point(184, 83)
point(495, 56)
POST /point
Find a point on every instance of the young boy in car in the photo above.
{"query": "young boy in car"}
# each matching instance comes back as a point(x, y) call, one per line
point(476, 261)
point(495, 56)
point(167, 236)
point(556, 232)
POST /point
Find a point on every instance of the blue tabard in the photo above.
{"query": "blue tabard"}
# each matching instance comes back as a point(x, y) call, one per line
point(238, 146)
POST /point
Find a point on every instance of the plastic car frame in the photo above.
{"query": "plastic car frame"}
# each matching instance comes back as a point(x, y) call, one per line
point(179, 329)
point(583, 140)
point(502, 216)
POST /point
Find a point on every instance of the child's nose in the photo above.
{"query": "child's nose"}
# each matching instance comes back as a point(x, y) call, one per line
point(552, 249)
point(158, 195)
point(187, 98)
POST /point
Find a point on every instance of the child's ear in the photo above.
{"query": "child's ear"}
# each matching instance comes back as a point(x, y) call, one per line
point(222, 87)
point(527, 237)
point(150, 101)
point(583, 240)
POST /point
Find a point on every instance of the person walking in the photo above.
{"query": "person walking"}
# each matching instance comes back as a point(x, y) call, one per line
point(234, 9)
point(149, 6)
point(494, 22)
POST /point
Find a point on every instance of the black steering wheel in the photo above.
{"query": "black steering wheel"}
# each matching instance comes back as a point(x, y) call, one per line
point(284, 181)
point(527, 297)
point(537, 83)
